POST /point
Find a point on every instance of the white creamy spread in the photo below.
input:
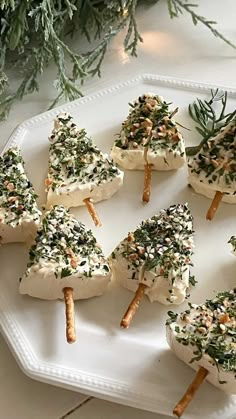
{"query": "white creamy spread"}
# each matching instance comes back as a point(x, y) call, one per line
point(213, 168)
point(205, 336)
point(149, 124)
point(77, 168)
point(65, 254)
point(19, 214)
point(158, 254)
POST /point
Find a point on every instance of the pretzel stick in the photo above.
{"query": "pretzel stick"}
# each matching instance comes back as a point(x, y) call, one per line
point(147, 182)
point(190, 393)
point(70, 315)
point(147, 178)
point(148, 167)
point(92, 211)
point(214, 205)
point(130, 312)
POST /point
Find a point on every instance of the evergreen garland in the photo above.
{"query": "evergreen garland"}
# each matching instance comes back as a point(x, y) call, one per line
point(34, 32)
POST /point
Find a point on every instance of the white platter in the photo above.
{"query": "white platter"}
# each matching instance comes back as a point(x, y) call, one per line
point(134, 366)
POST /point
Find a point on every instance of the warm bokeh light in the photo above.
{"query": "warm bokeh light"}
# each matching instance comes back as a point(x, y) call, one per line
point(125, 57)
point(125, 11)
point(154, 41)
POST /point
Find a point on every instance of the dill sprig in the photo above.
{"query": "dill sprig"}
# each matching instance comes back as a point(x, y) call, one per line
point(209, 121)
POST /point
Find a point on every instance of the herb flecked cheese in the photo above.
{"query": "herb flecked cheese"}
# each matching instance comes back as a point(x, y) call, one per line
point(65, 254)
point(213, 168)
point(158, 254)
point(77, 168)
point(205, 335)
point(149, 125)
point(19, 214)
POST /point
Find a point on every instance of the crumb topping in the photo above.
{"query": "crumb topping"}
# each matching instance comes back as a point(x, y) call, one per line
point(67, 245)
point(162, 244)
point(74, 158)
point(216, 161)
point(210, 329)
point(17, 195)
point(150, 122)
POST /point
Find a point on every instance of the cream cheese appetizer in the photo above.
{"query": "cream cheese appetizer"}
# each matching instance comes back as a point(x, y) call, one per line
point(158, 255)
point(19, 214)
point(65, 255)
point(213, 168)
point(150, 125)
point(204, 336)
point(78, 170)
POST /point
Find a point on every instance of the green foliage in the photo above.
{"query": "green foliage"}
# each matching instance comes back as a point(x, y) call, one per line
point(35, 32)
point(209, 122)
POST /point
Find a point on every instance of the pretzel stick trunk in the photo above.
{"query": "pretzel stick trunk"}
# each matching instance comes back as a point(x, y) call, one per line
point(147, 183)
point(92, 211)
point(70, 315)
point(147, 178)
point(214, 205)
point(190, 393)
point(129, 314)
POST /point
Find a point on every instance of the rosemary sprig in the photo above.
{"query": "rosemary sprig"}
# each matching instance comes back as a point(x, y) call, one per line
point(209, 121)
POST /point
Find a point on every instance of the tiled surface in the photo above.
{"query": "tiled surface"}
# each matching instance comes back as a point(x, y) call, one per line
point(23, 398)
point(174, 48)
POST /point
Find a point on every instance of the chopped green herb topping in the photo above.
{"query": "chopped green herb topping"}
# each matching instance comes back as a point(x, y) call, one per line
point(232, 241)
point(150, 123)
point(192, 280)
point(211, 329)
point(216, 161)
point(64, 244)
point(17, 196)
point(172, 317)
point(162, 244)
point(74, 157)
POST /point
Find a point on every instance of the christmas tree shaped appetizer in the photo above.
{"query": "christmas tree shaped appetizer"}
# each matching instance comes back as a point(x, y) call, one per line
point(65, 261)
point(79, 173)
point(212, 171)
point(212, 164)
point(19, 214)
point(204, 338)
point(149, 139)
point(155, 259)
